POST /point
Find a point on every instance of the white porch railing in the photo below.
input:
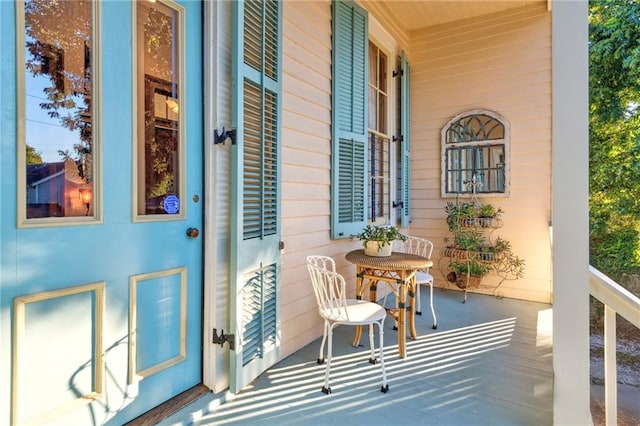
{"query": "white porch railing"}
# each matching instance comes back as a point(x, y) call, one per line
point(617, 300)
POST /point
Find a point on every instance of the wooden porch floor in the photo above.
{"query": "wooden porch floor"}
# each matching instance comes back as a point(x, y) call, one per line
point(488, 363)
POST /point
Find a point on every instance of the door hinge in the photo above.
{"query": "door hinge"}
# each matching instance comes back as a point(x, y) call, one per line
point(221, 138)
point(229, 338)
point(398, 73)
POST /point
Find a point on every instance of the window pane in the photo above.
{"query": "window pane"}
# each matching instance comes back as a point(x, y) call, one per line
point(373, 108)
point(475, 127)
point(379, 166)
point(490, 168)
point(486, 163)
point(159, 106)
point(379, 143)
point(382, 112)
point(382, 74)
point(59, 141)
point(373, 64)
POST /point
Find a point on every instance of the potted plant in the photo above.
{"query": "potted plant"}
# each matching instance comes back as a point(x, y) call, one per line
point(459, 213)
point(487, 213)
point(467, 272)
point(472, 252)
point(378, 240)
point(464, 214)
point(488, 210)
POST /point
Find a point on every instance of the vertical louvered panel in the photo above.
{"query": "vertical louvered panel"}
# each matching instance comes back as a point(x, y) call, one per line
point(350, 65)
point(269, 165)
point(255, 188)
point(271, 26)
point(349, 139)
point(351, 174)
point(253, 34)
point(405, 217)
point(259, 313)
point(261, 121)
point(260, 162)
point(261, 37)
point(252, 200)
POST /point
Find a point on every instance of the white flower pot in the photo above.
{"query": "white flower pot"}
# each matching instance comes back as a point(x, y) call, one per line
point(371, 248)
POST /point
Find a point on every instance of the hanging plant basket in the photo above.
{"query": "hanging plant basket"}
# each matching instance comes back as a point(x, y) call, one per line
point(463, 280)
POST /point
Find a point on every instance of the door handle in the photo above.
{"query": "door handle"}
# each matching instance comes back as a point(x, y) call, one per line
point(192, 232)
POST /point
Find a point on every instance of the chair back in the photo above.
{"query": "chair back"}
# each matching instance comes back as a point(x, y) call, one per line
point(329, 288)
point(325, 262)
point(415, 245)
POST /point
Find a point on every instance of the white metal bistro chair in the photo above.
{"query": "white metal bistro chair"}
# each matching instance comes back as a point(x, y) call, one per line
point(334, 307)
point(420, 247)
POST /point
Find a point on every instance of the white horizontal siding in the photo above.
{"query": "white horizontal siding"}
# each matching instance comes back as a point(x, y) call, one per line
point(500, 62)
point(306, 157)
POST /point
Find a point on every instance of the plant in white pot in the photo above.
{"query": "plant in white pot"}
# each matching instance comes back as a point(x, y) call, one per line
point(378, 240)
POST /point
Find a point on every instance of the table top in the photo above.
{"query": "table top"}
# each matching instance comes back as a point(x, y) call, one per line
point(397, 261)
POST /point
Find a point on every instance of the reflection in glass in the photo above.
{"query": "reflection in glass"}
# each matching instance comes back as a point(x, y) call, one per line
point(58, 111)
point(379, 142)
point(158, 109)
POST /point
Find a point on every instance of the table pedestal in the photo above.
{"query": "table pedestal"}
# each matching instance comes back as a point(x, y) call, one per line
point(402, 283)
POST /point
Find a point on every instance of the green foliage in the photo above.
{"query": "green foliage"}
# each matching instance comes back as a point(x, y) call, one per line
point(468, 239)
point(33, 156)
point(458, 212)
point(488, 210)
point(479, 254)
point(614, 131)
point(614, 72)
point(470, 267)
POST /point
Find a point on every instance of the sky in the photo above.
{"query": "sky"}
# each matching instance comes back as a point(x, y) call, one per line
point(46, 135)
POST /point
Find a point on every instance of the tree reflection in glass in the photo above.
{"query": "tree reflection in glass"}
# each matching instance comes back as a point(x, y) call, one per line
point(158, 64)
point(58, 111)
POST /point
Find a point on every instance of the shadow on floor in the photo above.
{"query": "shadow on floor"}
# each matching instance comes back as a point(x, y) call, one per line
point(488, 363)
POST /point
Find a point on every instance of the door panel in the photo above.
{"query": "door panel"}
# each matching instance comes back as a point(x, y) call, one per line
point(98, 308)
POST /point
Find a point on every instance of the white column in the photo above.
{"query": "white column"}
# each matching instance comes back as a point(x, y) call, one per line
point(570, 180)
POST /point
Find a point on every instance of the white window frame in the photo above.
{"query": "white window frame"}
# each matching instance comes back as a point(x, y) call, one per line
point(377, 37)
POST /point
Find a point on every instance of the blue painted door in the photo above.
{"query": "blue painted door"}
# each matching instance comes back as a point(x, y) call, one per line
point(101, 142)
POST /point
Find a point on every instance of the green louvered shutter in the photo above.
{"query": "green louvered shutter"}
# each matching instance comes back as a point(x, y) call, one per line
point(255, 163)
point(405, 112)
point(349, 120)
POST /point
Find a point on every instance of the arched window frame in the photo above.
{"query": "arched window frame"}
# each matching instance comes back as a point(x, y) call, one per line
point(493, 176)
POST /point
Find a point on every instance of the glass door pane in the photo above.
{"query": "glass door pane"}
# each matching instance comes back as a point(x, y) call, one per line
point(160, 136)
point(59, 141)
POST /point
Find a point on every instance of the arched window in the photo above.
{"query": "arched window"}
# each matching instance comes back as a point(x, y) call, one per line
point(475, 154)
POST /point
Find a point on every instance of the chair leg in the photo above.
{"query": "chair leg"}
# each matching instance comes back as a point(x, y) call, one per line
point(324, 339)
point(385, 385)
point(433, 312)
point(372, 358)
point(418, 308)
point(326, 389)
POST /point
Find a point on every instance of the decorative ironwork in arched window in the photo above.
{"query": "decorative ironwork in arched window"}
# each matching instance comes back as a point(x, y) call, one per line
point(475, 153)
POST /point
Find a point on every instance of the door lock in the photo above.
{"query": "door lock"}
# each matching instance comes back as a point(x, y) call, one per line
point(192, 232)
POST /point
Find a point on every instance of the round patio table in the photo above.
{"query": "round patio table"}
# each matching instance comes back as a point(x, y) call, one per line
point(398, 272)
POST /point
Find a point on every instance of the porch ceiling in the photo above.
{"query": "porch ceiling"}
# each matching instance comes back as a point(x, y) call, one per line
point(424, 13)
